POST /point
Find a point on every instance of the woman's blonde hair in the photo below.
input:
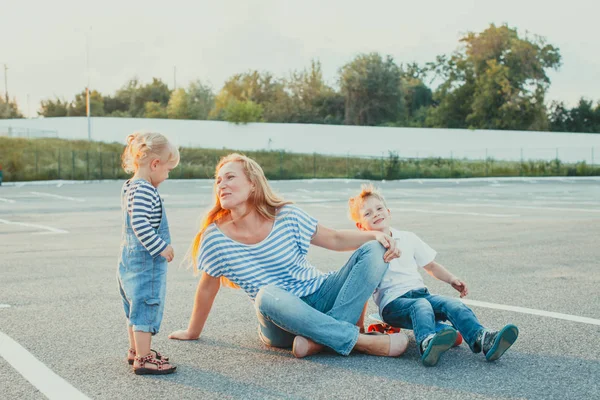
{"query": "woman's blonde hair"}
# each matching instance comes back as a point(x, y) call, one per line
point(263, 199)
point(354, 203)
point(141, 146)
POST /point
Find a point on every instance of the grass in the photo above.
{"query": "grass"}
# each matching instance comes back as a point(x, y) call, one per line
point(43, 159)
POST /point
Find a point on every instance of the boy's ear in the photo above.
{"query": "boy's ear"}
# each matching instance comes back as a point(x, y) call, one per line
point(359, 226)
point(154, 163)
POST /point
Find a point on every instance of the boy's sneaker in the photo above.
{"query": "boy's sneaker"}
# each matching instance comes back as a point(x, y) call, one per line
point(434, 346)
point(495, 343)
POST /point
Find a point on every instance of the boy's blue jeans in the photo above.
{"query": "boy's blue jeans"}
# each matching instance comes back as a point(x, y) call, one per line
point(419, 310)
point(329, 315)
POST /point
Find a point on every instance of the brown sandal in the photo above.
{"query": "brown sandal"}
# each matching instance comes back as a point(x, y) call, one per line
point(161, 366)
point(155, 353)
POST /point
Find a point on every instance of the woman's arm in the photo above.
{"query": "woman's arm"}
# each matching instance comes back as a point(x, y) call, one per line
point(207, 290)
point(345, 240)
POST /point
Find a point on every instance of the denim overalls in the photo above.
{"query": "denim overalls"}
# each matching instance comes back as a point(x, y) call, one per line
point(142, 278)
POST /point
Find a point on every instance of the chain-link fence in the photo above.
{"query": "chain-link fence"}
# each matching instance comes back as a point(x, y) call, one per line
point(45, 164)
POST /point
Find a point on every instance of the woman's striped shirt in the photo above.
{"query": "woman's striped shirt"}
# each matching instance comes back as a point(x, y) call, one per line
point(279, 259)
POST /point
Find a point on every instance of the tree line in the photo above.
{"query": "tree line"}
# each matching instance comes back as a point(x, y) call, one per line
point(495, 79)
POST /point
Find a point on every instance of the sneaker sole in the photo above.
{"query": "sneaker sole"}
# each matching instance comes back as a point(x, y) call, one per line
point(441, 342)
point(506, 337)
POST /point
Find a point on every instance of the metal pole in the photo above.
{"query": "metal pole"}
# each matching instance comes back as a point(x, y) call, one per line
point(88, 107)
point(6, 82)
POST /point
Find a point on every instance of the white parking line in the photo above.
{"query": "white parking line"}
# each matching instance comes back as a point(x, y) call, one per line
point(460, 213)
point(496, 205)
point(6, 200)
point(56, 196)
point(523, 310)
point(44, 227)
point(32, 369)
point(4, 305)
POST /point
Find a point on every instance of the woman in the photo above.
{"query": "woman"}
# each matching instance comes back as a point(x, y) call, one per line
point(255, 240)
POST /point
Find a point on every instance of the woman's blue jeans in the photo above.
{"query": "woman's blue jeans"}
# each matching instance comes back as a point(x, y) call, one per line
point(329, 315)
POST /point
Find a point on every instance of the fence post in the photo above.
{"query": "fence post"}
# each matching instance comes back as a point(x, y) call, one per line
point(521, 164)
point(114, 164)
point(314, 165)
point(58, 164)
point(451, 164)
point(486, 162)
point(36, 161)
point(88, 165)
point(557, 164)
point(280, 164)
point(72, 165)
point(101, 169)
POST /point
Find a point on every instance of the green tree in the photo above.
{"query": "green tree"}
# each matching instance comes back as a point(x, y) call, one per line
point(77, 108)
point(259, 88)
point(9, 109)
point(242, 112)
point(178, 107)
point(115, 106)
point(497, 80)
point(53, 108)
point(372, 91)
point(154, 109)
point(136, 96)
point(310, 98)
point(584, 117)
point(418, 97)
point(201, 100)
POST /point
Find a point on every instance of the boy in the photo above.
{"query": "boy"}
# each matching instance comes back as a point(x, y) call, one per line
point(405, 302)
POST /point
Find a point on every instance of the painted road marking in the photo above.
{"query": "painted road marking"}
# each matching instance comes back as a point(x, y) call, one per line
point(532, 311)
point(495, 205)
point(4, 305)
point(7, 200)
point(461, 213)
point(44, 227)
point(32, 369)
point(56, 196)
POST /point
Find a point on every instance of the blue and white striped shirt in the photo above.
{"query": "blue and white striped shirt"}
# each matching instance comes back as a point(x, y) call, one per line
point(145, 210)
point(279, 259)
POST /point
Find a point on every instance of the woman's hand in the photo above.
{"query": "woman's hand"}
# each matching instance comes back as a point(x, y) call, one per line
point(183, 335)
point(390, 244)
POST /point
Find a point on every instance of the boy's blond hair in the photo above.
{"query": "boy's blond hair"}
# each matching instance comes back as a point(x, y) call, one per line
point(355, 203)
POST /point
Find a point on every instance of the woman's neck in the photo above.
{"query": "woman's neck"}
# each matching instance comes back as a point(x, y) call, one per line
point(244, 217)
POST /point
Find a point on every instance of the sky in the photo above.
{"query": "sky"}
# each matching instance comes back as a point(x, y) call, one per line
point(52, 48)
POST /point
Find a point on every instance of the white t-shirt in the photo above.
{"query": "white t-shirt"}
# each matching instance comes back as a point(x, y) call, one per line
point(403, 274)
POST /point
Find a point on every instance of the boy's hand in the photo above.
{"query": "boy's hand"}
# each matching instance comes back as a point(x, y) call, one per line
point(460, 286)
point(390, 244)
point(168, 253)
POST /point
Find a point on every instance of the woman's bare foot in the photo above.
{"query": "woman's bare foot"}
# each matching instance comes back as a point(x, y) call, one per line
point(304, 347)
point(382, 345)
point(184, 334)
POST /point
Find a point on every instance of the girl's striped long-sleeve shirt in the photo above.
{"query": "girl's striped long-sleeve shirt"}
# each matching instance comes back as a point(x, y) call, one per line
point(144, 207)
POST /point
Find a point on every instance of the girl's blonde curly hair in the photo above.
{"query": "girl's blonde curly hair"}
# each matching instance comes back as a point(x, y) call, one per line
point(141, 146)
